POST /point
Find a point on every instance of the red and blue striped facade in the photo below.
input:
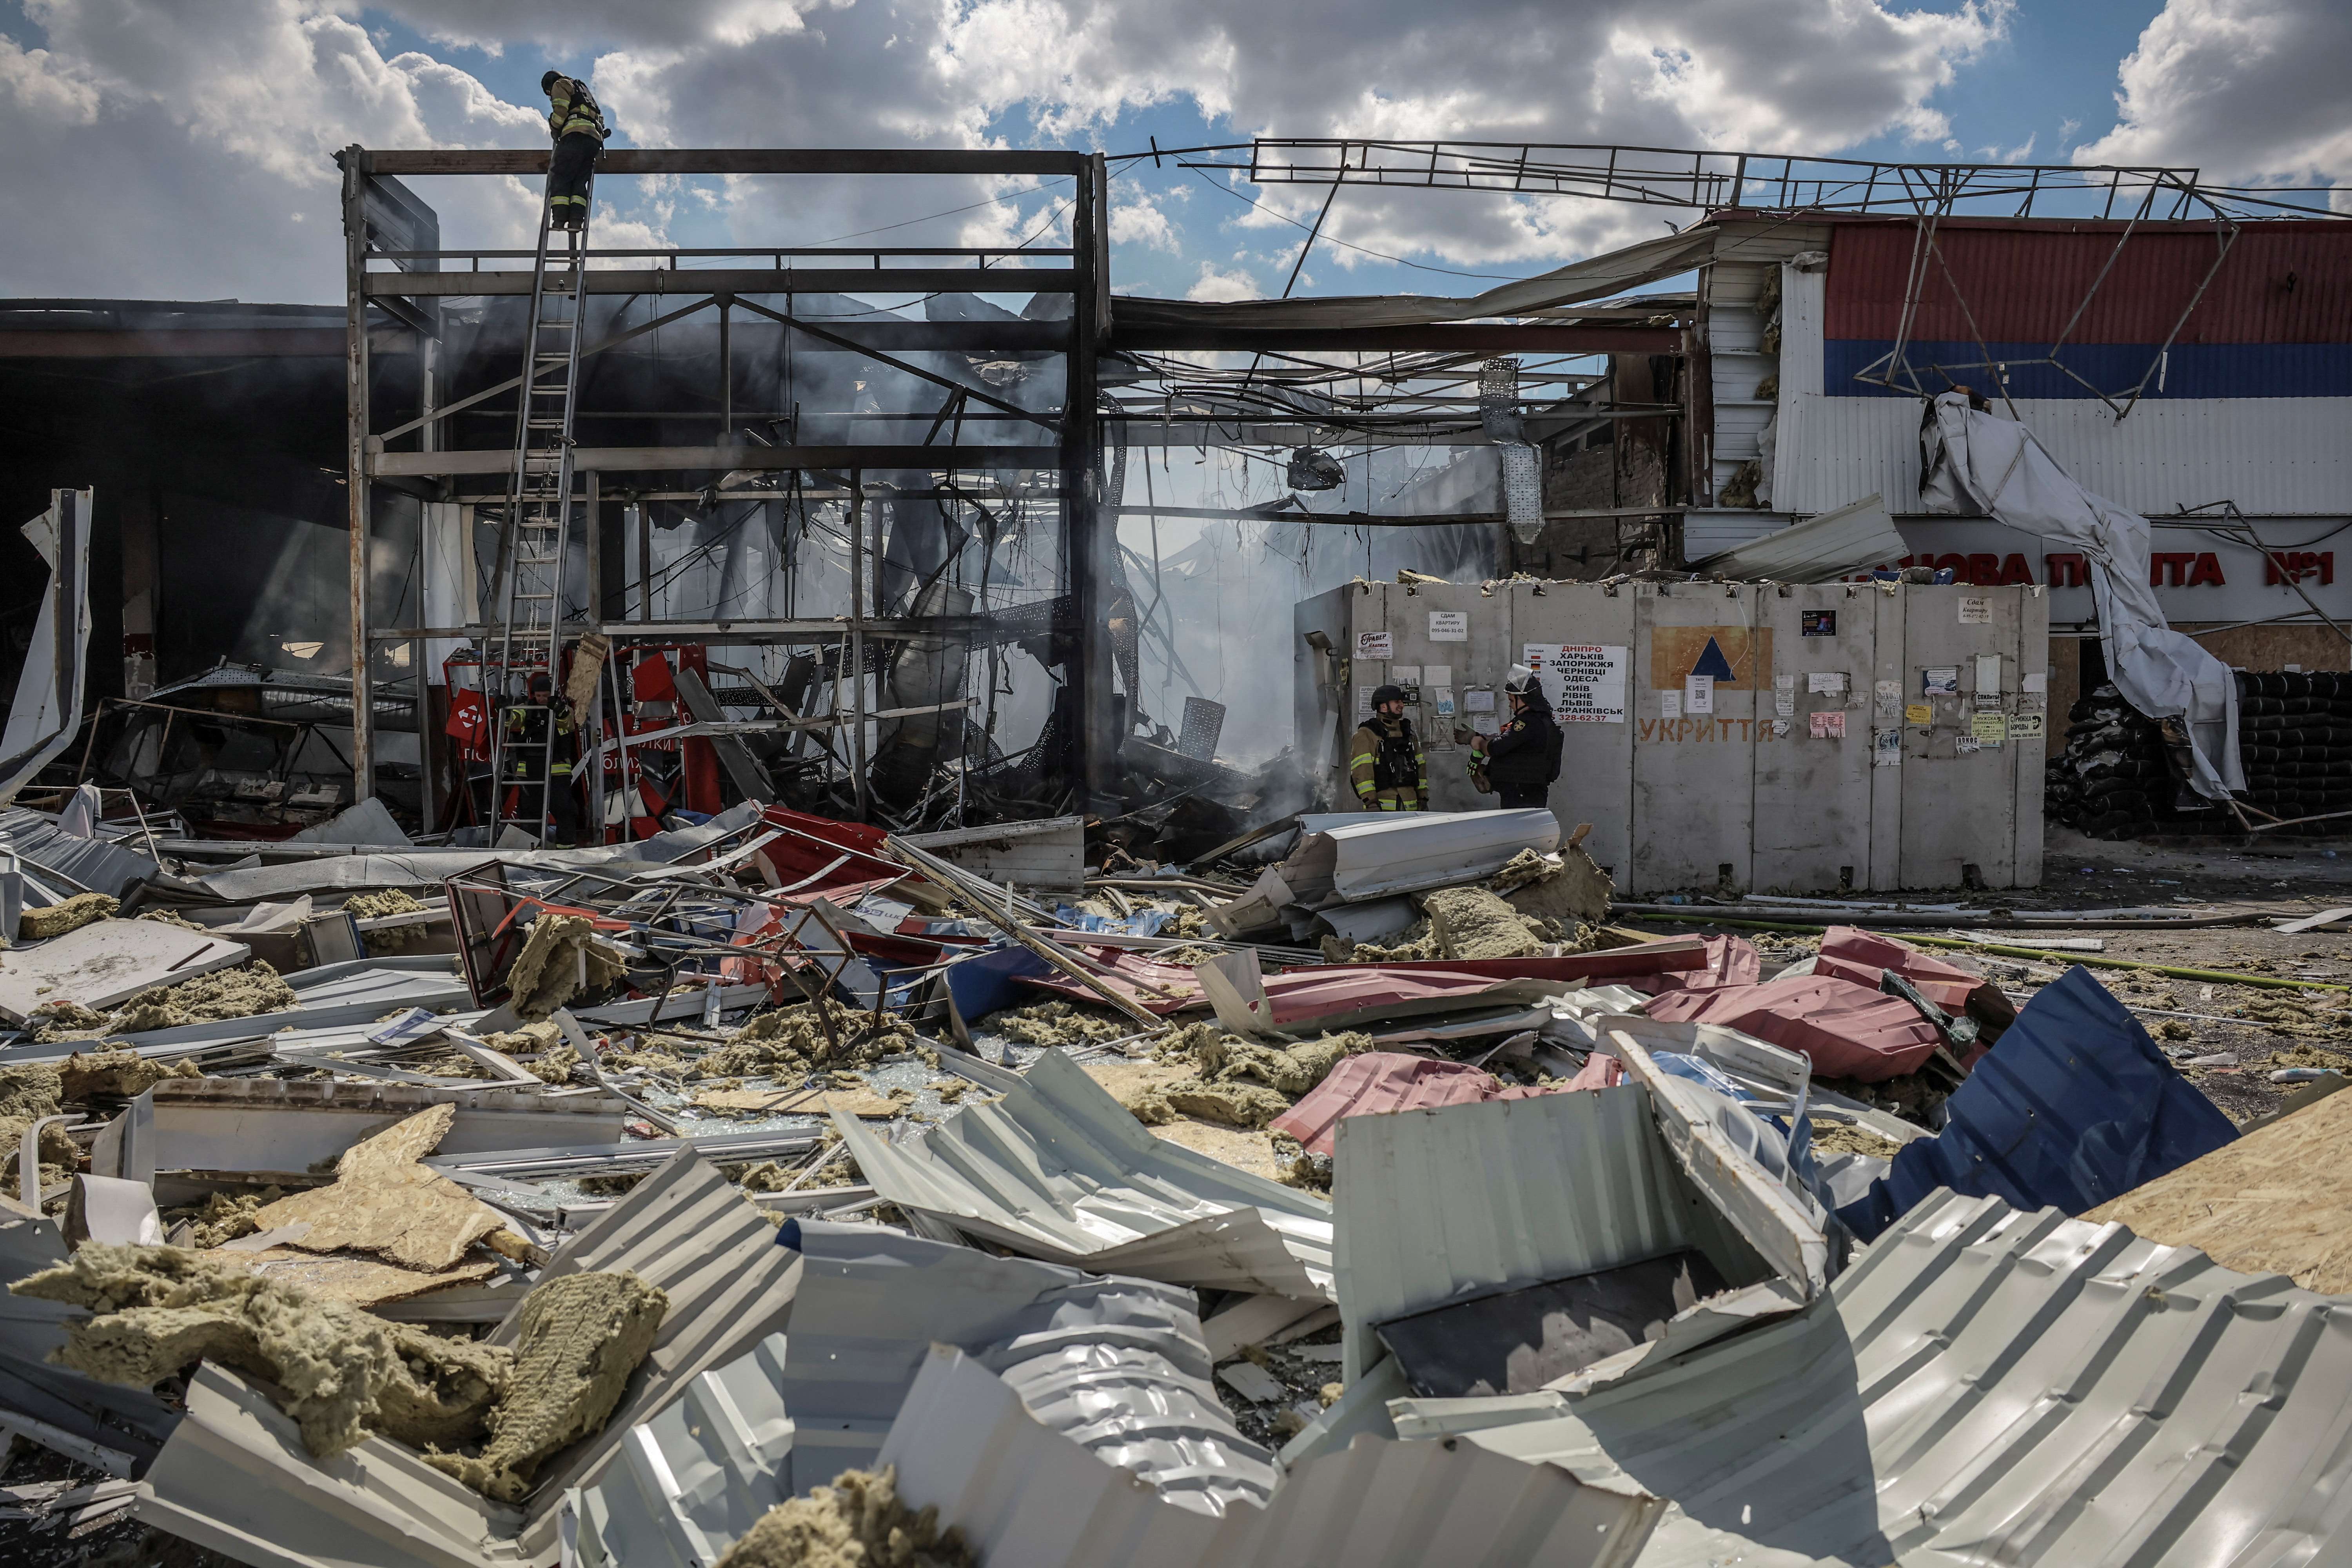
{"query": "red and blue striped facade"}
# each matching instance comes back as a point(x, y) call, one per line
point(2276, 321)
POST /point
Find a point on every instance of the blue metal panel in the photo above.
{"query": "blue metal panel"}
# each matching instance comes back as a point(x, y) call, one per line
point(2073, 1106)
point(983, 983)
point(2190, 370)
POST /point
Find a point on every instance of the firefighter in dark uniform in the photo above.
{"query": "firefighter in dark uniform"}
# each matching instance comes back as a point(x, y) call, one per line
point(1522, 762)
point(527, 752)
point(578, 127)
point(1385, 762)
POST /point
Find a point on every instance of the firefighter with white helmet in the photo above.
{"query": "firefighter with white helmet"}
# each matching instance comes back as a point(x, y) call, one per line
point(1523, 761)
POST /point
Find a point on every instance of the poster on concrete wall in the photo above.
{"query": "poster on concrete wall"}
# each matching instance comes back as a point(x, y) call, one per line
point(1584, 681)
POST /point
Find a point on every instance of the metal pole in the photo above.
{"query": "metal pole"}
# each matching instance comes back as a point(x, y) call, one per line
point(645, 562)
point(595, 613)
point(726, 375)
point(355, 483)
point(857, 637)
point(1095, 747)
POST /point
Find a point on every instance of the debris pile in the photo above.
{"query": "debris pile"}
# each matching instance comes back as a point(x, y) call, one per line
point(776, 1190)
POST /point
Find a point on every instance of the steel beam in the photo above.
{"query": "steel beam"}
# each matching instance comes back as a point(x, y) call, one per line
point(727, 160)
point(1092, 530)
point(611, 460)
point(661, 282)
point(355, 477)
point(1447, 337)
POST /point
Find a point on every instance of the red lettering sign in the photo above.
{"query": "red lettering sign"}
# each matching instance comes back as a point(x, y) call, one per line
point(2299, 564)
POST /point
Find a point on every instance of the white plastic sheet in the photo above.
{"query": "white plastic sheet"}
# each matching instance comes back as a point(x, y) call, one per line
point(1988, 464)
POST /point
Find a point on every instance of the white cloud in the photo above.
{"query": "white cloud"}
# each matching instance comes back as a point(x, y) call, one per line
point(2245, 89)
point(1212, 284)
point(166, 132)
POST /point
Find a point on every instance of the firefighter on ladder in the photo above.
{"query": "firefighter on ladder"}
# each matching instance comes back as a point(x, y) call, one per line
point(1385, 762)
point(528, 751)
point(578, 127)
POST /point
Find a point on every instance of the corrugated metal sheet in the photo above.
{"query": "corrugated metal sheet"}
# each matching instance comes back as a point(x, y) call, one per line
point(2024, 281)
point(1059, 1170)
point(1847, 1030)
point(1436, 1205)
point(689, 1482)
point(1853, 538)
point(236, 1477)
point(1381, 1083)
point(1023, 1495)
point(91, 865)
point(1116, 1366)
point(2073, 1106)
point(2274, 456)
point(1983, 1386)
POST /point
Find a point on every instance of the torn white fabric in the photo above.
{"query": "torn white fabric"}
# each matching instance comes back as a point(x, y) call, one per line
point(1985, 463)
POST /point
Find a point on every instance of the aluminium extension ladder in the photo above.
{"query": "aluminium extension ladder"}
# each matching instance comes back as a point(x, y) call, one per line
point(527, 585)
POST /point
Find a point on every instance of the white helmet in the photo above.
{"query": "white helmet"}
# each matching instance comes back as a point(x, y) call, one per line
point(1520, 681)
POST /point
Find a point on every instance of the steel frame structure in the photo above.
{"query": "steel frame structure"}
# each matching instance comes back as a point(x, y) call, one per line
point(398, 274)
point(1711, 180)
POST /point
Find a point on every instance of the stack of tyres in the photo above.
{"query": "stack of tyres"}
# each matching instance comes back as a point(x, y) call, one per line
point(2295, 740)
point(2111, 781)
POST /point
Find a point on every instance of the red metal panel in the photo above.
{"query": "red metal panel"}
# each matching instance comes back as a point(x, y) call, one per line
point(1848, 1030)
point(2284, 282)
point(1381, 1083)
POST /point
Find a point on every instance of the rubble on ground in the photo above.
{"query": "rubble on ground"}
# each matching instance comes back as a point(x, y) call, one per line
point(380, 1197)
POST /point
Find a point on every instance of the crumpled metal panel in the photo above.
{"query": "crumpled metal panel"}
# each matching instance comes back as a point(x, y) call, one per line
point(1115, 1365)
point(333, 997)
point(85, 863)
point(1848, 1030)
point(688, 1483)
point(2074, 1106)
point(1059, 1170)
point(1434, 1206)
point(1118, 1365)
point(1381, 1083)
point(430, 867)
point(1856, 537)
point(236, 1477)
point(1023, 1494)
point(1984, 1385)
point(1408, 853)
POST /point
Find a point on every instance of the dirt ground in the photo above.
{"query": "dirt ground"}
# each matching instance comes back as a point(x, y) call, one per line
point(2258, 1028)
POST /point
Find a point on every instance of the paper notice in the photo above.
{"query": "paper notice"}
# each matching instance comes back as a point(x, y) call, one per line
point(1989, 729)
point(1975, 612)
point(1784, 703)
point(1449, 626)
point(1784, 683)
point(1826, 682)
point(1988, 674)
point(1889, 694)
point(1940, 681)
point(1406, 674)
point(1699, 694)
point(2028, 726)
point(2033, 682)
point(1437, 675)
point(1586, 681)
point(1670, 704)
point(1886, 748)
point(1828, 726)
point(1479, 699)
point(1918, 713)
point(1374, 644)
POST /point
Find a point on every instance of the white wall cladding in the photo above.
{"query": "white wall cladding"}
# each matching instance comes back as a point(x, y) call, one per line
point(2275, 456)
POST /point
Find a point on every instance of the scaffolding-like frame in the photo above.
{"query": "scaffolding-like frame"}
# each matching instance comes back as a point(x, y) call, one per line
point(397, 273)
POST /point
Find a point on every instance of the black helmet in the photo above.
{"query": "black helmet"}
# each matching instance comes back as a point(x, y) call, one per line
point(1382, 695)
point(549, 80)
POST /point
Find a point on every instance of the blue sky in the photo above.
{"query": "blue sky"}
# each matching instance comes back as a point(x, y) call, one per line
point(179, 149)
